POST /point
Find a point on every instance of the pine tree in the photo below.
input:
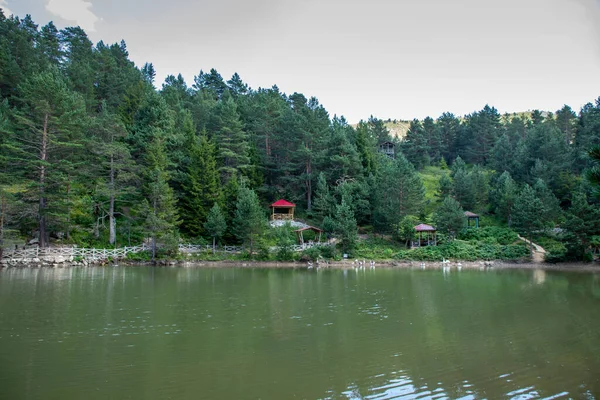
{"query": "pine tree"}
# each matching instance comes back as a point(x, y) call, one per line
point(446, 185)
point(324, 199)
point(215, 224)
point(593, 175)
point(463, 189)
point(526, 216)
point(160, 203)
point(345, 227)
point(201, 186)
point(449, 217)
point(399, 191)
point(232, 144)
point(364, 147)
point(505, 194)
point(49, 119)
point(551, 208)
point(114, 171)
point(249, 221)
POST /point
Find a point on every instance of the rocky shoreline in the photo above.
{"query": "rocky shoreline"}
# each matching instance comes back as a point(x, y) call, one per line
point(68, 262)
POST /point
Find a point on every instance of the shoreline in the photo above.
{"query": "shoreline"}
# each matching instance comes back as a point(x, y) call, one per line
point(343, 265)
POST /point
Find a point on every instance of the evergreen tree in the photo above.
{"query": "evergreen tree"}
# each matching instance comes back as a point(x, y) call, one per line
point(232, 144)
point(49, 119)
point(505, 195)
point(446, 186)
point(526, 216)
point(215, 224)
point(551, 211)
point(566, 120)
point(114, 171)
point(345, 227)
point(593, 174)
point(463, 189)
point(364, 147)
point(160, 203)
point(399, 192)
point(249, 222)
point(582, 224)
point(324, 199)
point(201, 187)
point(449, 217)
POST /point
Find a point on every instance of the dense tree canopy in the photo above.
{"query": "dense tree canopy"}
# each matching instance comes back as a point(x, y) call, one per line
point(92, 152)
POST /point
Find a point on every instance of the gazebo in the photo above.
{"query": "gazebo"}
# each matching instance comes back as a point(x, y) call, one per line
point(388, 148)
point(472, 217)
point(299, 233)
point(427, 236)
point(282, 210)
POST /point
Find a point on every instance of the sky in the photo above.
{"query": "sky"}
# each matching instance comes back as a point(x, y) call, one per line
point(391, 59)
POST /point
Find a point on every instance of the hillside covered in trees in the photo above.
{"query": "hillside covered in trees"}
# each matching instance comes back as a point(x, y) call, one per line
point(94, 153)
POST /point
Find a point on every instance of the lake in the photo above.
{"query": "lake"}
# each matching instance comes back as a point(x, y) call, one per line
point(241, 333)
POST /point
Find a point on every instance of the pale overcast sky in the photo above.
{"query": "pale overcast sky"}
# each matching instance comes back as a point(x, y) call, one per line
point(393, 59)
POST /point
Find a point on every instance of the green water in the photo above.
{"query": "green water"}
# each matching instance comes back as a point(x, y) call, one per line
point(192, 333)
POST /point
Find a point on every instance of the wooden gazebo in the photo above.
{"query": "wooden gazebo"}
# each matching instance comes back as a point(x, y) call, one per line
point(282, 210)
point(472, 217)
point(427, 236)
point(388, 148)
point(299, 233)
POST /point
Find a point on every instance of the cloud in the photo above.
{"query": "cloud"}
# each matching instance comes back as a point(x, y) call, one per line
point(78, 11)
point(4, 7)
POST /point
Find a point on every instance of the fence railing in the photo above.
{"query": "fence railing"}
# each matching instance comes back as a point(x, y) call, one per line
point(122, 252)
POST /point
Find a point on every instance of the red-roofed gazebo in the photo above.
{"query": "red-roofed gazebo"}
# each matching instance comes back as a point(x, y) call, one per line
point(427, 236)
point(282, 210)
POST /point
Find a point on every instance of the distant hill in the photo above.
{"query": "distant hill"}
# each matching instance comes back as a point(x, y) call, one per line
point(398, 128)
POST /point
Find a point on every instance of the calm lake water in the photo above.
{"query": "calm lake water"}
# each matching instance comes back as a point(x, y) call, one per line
point(193, 333)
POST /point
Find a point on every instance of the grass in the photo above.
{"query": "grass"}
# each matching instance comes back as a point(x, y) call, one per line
point(431, 180)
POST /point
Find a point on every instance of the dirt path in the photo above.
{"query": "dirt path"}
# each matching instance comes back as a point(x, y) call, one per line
point(538, 251)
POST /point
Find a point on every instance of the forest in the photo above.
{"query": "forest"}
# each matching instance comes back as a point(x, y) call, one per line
point(94, 153)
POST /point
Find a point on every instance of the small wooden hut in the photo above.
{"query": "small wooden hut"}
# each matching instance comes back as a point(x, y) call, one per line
point(282, 210)
point(472, 217)
point(318, 233)
point(427, 236)
point(388, 148)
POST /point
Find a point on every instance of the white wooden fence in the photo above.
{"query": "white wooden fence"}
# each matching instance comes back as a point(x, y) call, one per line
point(72, 253)
point(122, 252)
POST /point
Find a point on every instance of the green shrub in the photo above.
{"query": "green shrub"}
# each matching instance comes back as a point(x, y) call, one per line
point(490, 234)
point(141, 256)
point(465, 251)
point(312, 254)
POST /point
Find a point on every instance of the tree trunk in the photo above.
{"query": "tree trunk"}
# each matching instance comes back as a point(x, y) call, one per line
point(214, 240)
point(308, 186)
point(154, 234)
point(68, 228)
point(42, 181)
point(112, 222)
point(2, 211)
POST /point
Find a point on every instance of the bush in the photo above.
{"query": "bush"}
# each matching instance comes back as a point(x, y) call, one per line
point(465, 251)
point(141, 256)
point(491, 235)
point(311, 254)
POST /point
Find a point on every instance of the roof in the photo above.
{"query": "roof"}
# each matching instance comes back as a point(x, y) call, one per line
point(312, 228)
point(470, 214)
point(424, 228)
point(283, 203)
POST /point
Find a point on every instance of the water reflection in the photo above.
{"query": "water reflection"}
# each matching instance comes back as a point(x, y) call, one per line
point(265, 333)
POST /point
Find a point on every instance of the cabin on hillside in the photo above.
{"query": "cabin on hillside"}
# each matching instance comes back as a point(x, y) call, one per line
point(282, 210)
point(472, 217)
point(427, 236)
point(388, 148)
